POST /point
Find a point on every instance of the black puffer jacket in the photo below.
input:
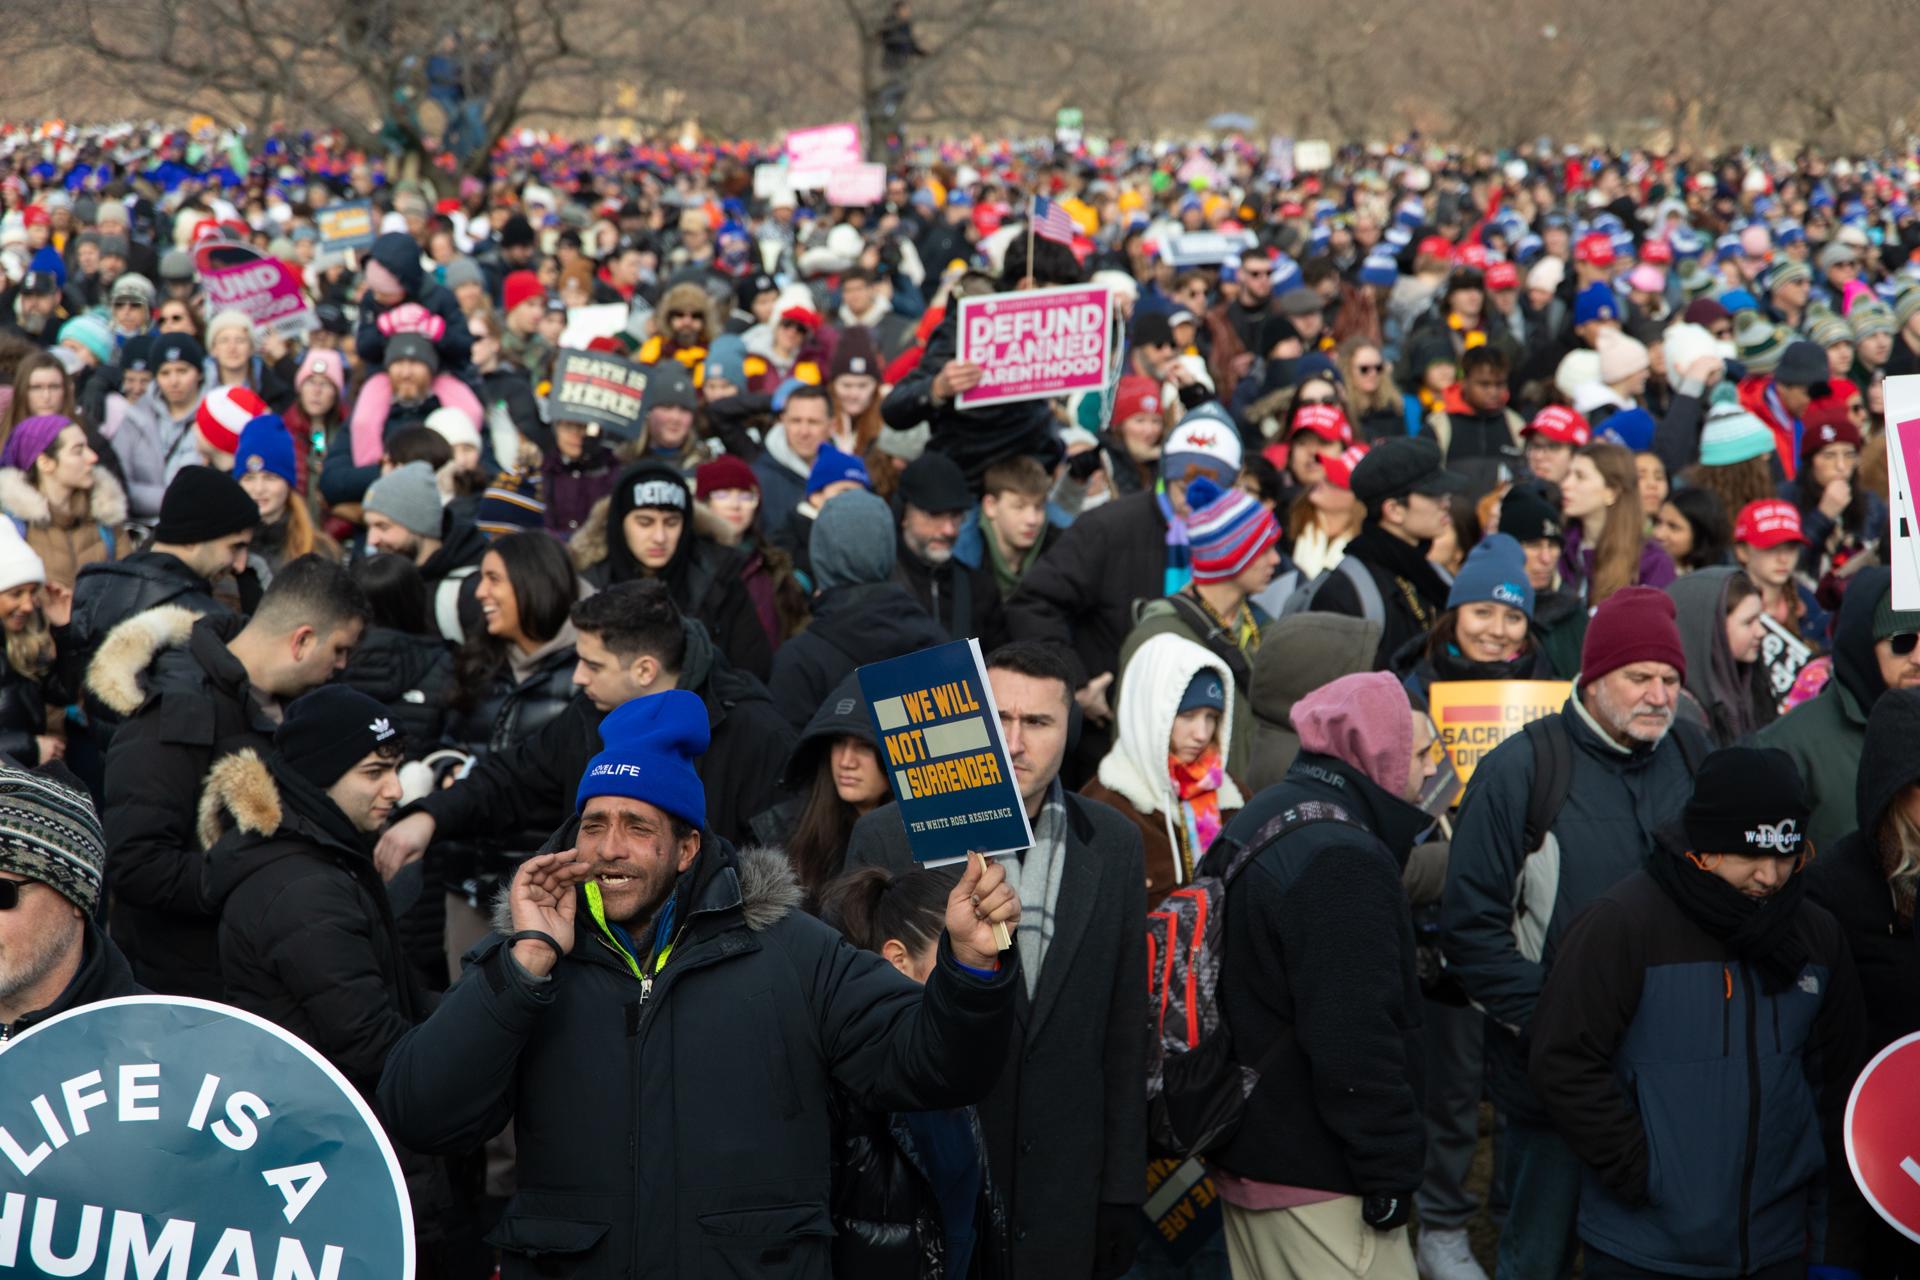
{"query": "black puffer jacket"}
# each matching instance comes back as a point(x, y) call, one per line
point(713, 1156)
point(107, 594)
point(886, 1217)
point(307, 938)
point(852, 626)
point(512, 710)
point(23, 714)
point(412, 675)
point(1081, 591)
point(188, 702)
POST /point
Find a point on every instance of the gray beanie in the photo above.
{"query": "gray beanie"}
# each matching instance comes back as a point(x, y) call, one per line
point(409, 497)
point(852, 542)
point(463, 270)
point(49, 832)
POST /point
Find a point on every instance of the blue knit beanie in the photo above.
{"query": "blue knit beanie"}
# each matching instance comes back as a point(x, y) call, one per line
point(650, 746)
point(1496, 570)
point(266, 445)
point(830, 466)
point(1632, 428)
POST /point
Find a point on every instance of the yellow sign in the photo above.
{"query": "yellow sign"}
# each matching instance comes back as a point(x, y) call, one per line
point(1475, 716)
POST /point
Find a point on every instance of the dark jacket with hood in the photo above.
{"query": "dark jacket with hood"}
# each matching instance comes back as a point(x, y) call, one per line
point(188, 702)
point(23, 715)
point(713, 1155)
point(400, 254)
point(103, 975)
point(1081, 592)
point(1729, 699)
point(1400, 570)
point(974, 438)
point(456, 560)
point(1505, 910)
point(411, 674)
point(886, 1214)
point(852, 626)
point(841, 714)
point(307, 936)
point(1706, 1108)
point(707, 581)
point(1297, 655)
point(1319, 985)
point(530, 784)
point(107, 594)
point(1824, 734)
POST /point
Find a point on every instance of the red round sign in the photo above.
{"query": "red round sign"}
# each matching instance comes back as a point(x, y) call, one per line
point(1883, 1134)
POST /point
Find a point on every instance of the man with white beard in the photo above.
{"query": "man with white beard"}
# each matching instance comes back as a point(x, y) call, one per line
point(1552, 819)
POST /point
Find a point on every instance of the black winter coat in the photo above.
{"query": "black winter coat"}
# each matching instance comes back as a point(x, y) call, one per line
point(1080, 592)
point(709, 1152)
point(974, 438)
point(108, 593)
point(852, 626)
point(23, 715)
point(530, 784)
point(188, 703)
point(104, 975)
point(965, 601)
point(711, 585)
point(307, 937)
point(1397, 569)
point(1066, 1123)
point(886, 1217)
point(514, 712)
point(1318, 983)
point(412, 675)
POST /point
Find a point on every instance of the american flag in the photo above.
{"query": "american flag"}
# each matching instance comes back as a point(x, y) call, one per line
point(1050, 222)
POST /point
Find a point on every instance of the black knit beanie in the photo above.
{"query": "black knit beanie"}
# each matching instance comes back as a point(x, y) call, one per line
point(201, 504)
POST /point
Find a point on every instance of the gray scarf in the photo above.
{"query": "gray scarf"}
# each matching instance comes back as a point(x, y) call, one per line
point(1038, 882)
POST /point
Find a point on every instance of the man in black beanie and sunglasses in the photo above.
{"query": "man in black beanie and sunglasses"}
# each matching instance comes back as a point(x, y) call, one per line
point(1697, 1040)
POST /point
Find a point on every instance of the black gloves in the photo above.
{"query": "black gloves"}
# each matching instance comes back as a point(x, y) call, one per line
point(1116, 1235)
point(1384, 1213)
point(1083, 464)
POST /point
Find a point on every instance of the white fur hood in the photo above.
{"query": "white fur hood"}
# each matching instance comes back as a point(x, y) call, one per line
point(107, 501)
point(1156, 677)
point(130, 648)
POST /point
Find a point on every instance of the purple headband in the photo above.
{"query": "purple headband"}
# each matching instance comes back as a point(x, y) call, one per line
point(33, 437)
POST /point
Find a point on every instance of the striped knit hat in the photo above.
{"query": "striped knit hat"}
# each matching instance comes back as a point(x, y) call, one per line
point(224, 413)
point(49, 832)
point(1227, 531)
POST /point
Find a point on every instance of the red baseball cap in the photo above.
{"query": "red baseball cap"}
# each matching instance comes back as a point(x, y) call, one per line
point(1434, 247)
point(1339, 467)
point(1473, 255)
point(1595, 249)
point(1323, 420)
point(1768, 523)
point(35, 216)
point(1561, 425)
point(1657, 252)
point(1135, 395)
point(806, 317)
point(1502, 275)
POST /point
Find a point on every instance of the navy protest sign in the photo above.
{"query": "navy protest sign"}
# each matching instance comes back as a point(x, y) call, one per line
point(159, 1137)
point(941, 749)
point(346, 225)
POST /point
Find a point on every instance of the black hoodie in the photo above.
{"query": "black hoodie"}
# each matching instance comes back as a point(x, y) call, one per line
point(852, 626)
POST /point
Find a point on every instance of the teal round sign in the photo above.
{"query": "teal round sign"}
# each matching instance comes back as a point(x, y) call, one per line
point(155, 1136)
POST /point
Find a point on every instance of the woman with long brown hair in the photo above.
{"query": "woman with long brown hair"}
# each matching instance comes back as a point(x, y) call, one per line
point(835, 777)
point(1607, 547)
point(1735, 453)
point(1372, 404)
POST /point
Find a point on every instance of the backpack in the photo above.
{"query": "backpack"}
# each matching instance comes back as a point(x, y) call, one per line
point(1553, 772)
point(1373, 606)
point(1196, 1091)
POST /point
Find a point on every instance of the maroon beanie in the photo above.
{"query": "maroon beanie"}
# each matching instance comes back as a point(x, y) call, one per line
point(1634, 624)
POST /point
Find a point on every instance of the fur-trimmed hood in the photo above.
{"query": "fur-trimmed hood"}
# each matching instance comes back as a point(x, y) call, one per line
point(130, 648)
point(106, 501)
point(240, 793)
point(769, 891)
point(588, 545)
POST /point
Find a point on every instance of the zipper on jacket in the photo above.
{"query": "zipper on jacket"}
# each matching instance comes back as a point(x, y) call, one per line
point(1726, 1015)
point(1753, 1119)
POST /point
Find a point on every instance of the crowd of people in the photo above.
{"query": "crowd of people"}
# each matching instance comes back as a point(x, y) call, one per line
point(518, 763)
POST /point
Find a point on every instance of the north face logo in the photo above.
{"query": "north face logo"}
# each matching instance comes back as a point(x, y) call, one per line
point(381, 729)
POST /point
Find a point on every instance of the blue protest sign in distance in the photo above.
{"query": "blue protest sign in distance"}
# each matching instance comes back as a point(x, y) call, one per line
point(159, 1136)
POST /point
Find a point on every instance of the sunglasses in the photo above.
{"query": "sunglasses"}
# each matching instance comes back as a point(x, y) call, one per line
point(1318, 400)
point(10, 892)
point(1904, 643)
point(1255, 275)
point(128, 304)
point(1369, 368)
point(684, 315)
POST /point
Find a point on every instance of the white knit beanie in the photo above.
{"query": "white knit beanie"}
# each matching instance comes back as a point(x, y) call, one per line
point(19, 563)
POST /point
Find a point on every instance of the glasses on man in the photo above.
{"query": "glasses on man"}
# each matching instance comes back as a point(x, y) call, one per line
point(10, 892)
point(1903, 643)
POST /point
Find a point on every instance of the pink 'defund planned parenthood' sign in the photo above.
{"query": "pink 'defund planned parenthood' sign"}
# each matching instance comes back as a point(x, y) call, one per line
point(1036, 344)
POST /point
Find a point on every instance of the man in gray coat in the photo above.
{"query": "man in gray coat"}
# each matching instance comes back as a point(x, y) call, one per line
point(1066, 1125)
